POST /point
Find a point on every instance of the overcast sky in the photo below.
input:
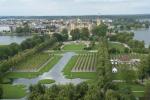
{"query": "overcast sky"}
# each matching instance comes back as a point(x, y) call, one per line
point(73, 7)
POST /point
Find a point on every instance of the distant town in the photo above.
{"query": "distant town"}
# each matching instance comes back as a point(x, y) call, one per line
point(48, 25)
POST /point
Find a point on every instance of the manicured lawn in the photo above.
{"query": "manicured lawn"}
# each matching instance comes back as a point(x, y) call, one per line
point(54, 60)
point(13, 91)
point(84, 75)
point(33, 62)
point(137, 89)
point(74, 47)
point(46, 81)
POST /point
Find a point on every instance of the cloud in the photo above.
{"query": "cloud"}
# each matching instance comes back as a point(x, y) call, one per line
point(73, 7)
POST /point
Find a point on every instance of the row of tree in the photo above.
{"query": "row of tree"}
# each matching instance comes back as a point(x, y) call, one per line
point(12, 49)
point(82, 34)
point(105, 88)
point(7, 64)
point(127, 37)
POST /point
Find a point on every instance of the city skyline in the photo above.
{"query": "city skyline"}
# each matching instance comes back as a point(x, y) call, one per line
point(72, 7)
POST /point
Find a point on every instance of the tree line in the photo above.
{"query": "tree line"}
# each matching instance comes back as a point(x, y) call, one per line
point(127, 37)
point(28, 48)
point(8, 51)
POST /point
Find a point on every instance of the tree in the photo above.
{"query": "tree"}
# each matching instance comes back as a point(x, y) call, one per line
point(58, 36)
point(127, 73)
point(147, 91)
point(85, 33)
point(111, 95)
point(1, 89)
point(144, 68)
point(75, 34)
point(65, 34)
point(100, 30)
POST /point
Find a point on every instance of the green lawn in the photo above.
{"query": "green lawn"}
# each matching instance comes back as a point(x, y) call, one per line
point(84, 75)
point(74, 46)
point(46, 81)
point(138, 90)
point(54, 60)
point(33, 62)
point(13, 91)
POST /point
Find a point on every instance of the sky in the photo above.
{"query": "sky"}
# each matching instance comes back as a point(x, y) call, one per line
point(73, 7)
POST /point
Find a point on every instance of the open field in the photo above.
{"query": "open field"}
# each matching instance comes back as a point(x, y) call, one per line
point(33, 62)
point(74, 46)
point(46, 68)
point(13, 91)
point(67, 71)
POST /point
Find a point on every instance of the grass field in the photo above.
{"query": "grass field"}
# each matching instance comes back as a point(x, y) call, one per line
point(74, 46)
point(46, 81)
point(137, 89)
point(13, 91)
point(46, 68)
point(33, 62)
point(84, 75)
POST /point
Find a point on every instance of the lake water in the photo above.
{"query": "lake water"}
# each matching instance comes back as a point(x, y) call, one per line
point(5, 40)
point(140, 34)
point(143, 35)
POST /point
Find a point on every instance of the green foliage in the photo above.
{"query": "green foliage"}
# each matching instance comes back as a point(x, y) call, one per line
point(7, 64)
point(128, 74)
point(13, 91)
point(46, 81)
point(65, 34)
point(144, 68)
point(1, 91)
point(75, 34)
point(85, 33)
point(58, 36)
point(24, 30)
point(147, 91)
point(58, 92)
point(80, 34)
point(100, 30)
point(9, 50)
point(127, 37)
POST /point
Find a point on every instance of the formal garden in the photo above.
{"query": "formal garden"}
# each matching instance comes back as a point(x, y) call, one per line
point(48, 60)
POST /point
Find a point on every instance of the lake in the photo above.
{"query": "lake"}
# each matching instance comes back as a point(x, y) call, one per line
point(140, 34)
point(143, 35)
point(5, 40)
